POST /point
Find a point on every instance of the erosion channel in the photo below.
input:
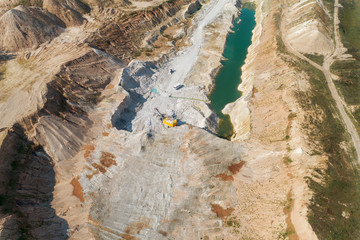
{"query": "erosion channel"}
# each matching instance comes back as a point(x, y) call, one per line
point(228, 78)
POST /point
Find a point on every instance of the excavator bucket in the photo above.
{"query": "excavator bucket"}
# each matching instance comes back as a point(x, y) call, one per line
point(170, 122)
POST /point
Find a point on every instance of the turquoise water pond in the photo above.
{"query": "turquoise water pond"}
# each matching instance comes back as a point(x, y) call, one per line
point(228, 78)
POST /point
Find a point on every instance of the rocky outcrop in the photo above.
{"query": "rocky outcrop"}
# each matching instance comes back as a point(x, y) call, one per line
point(71, 94)
point(24, 27)
point(68, 11)
point(122, 35)
point(27, 193)
point(78, 5)
point(193, 8)
point(119, 173)
point(69, 139)
point(108, 4)
point(48, 140)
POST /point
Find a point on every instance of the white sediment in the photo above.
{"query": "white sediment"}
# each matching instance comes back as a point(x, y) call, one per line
point(238, 111)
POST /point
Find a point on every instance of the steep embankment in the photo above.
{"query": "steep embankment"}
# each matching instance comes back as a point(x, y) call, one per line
point(125, 40)
point(63, 99)
point(342, 160)
point(44, 143)
point(286, 115)
point(47, 96)
point(81, 125)
point(68, 11)
point(24, 27)
point(271, 183)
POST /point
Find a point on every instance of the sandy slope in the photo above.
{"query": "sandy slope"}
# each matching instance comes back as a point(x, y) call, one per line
point(268, 120)
point(20, 98)
point(146, 161)
point(140, 180)
point(338, 52)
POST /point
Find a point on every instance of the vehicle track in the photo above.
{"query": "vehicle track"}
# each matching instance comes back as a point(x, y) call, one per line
point(325, 68)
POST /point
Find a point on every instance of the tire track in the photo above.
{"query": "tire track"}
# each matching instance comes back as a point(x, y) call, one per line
point(325, 68)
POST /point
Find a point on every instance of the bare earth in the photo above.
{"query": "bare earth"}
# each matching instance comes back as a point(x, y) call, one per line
point(115, 172)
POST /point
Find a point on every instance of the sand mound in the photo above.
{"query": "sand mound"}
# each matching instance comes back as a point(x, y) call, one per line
point(308, 38)
point(67, 11)
point(24, 27)
point(308, 28)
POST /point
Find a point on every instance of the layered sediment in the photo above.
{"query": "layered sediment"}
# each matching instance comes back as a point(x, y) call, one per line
point(24, 27)
point(85, 155)
point(65, 131)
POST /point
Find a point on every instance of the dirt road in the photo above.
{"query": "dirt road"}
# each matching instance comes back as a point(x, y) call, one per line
point(325, 68)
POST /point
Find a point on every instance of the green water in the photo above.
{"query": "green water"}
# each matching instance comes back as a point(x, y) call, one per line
point(228, 78)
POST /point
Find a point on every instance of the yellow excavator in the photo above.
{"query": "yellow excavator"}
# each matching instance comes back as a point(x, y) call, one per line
point(168, 121)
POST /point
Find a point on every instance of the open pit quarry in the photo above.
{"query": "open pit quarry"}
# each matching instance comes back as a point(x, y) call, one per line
point(84, 153)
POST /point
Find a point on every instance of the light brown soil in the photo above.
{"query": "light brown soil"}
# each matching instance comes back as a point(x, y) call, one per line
point(96, 224)
point(236, 167)
point(89, 176)
point(99, 167)
point(263, 119)
point(110, 86)
point(107, 159)
point(289, 225)
point(225, 177)
point(77, 189)
point(221, 212)
point(136, 227)
point(89, 149)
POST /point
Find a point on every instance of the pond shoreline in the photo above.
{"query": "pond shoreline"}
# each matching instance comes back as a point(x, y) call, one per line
point(229, 75)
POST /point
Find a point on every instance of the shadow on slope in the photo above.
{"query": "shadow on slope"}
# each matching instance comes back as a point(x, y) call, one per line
point(136, 79)
point(4, 57)
point(27, 182)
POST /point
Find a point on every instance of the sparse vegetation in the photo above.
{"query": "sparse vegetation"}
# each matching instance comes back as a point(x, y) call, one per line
point(319, 59)
point(249, 5)
point(170, 38)
point(339, 188)
point(288, 205)
point(288, 127)
point(287, 160)
point(3, 58)
point(292, 116)
point(349, 84)
point(341, 192)
point(282, 233)
point(234, 223)
point(146, 51)
point(349, 71)
point(349, 16)
point(138, 54)
point(329, 4)
point(280, 44)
